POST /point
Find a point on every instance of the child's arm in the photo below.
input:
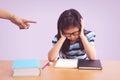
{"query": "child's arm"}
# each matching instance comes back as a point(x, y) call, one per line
point(89, 49)
point(53, 53)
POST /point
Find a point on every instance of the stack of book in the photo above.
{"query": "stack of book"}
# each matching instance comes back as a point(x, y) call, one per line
point(26, 67)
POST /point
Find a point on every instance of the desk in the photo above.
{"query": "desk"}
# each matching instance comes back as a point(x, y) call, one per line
point(110, 71)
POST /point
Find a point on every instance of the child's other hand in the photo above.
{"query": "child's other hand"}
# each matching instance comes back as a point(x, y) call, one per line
point(62, 36)
point(82, 27)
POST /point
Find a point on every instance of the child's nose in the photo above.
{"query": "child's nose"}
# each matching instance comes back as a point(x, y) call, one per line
point(72, 37)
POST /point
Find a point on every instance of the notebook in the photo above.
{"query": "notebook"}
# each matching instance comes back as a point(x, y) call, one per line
point(89, 64)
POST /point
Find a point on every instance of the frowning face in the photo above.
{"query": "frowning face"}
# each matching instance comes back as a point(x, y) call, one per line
point(72, 33)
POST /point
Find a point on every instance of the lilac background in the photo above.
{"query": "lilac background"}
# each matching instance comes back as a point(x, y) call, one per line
point(101, 16)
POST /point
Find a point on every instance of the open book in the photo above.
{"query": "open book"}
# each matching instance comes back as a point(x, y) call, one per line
point(78, 64)
point(66, 63)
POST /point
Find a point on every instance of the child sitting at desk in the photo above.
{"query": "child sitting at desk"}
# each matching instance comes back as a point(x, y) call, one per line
point(72, 41)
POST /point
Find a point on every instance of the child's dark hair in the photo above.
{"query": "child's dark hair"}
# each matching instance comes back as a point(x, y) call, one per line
point(67, 19)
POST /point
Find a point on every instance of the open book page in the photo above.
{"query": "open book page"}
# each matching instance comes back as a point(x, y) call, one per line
point(66, 63)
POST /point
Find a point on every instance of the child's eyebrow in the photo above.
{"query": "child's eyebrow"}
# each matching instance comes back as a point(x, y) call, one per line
point(72, 32)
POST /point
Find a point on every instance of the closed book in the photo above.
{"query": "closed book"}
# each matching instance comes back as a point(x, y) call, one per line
point(26, 72)
point(26, 63)
point(89, 64)
point(26, 67)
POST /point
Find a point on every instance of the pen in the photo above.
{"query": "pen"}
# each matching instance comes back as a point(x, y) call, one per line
point(45, 65)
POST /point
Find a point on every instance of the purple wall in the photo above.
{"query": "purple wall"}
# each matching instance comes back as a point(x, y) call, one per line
point(101, 16)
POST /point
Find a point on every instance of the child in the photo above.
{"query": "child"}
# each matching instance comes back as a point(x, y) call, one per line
point(72, 40)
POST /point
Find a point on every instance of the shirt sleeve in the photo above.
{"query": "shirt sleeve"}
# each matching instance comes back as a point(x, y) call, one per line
point(91, 37)
point(54, 40)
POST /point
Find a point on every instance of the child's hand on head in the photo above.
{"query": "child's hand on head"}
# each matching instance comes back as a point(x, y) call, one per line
point(62, 36)
point(82, 28)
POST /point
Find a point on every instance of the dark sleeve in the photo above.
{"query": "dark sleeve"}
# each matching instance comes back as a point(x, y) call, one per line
point(54, 40)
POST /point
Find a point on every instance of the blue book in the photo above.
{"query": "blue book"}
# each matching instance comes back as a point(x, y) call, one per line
point(26, 63)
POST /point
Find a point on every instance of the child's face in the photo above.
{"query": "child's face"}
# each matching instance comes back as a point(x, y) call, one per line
point(72, 33)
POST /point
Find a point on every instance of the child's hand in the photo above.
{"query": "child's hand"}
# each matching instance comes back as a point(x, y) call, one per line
point(62, 36)
point(82, 28)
